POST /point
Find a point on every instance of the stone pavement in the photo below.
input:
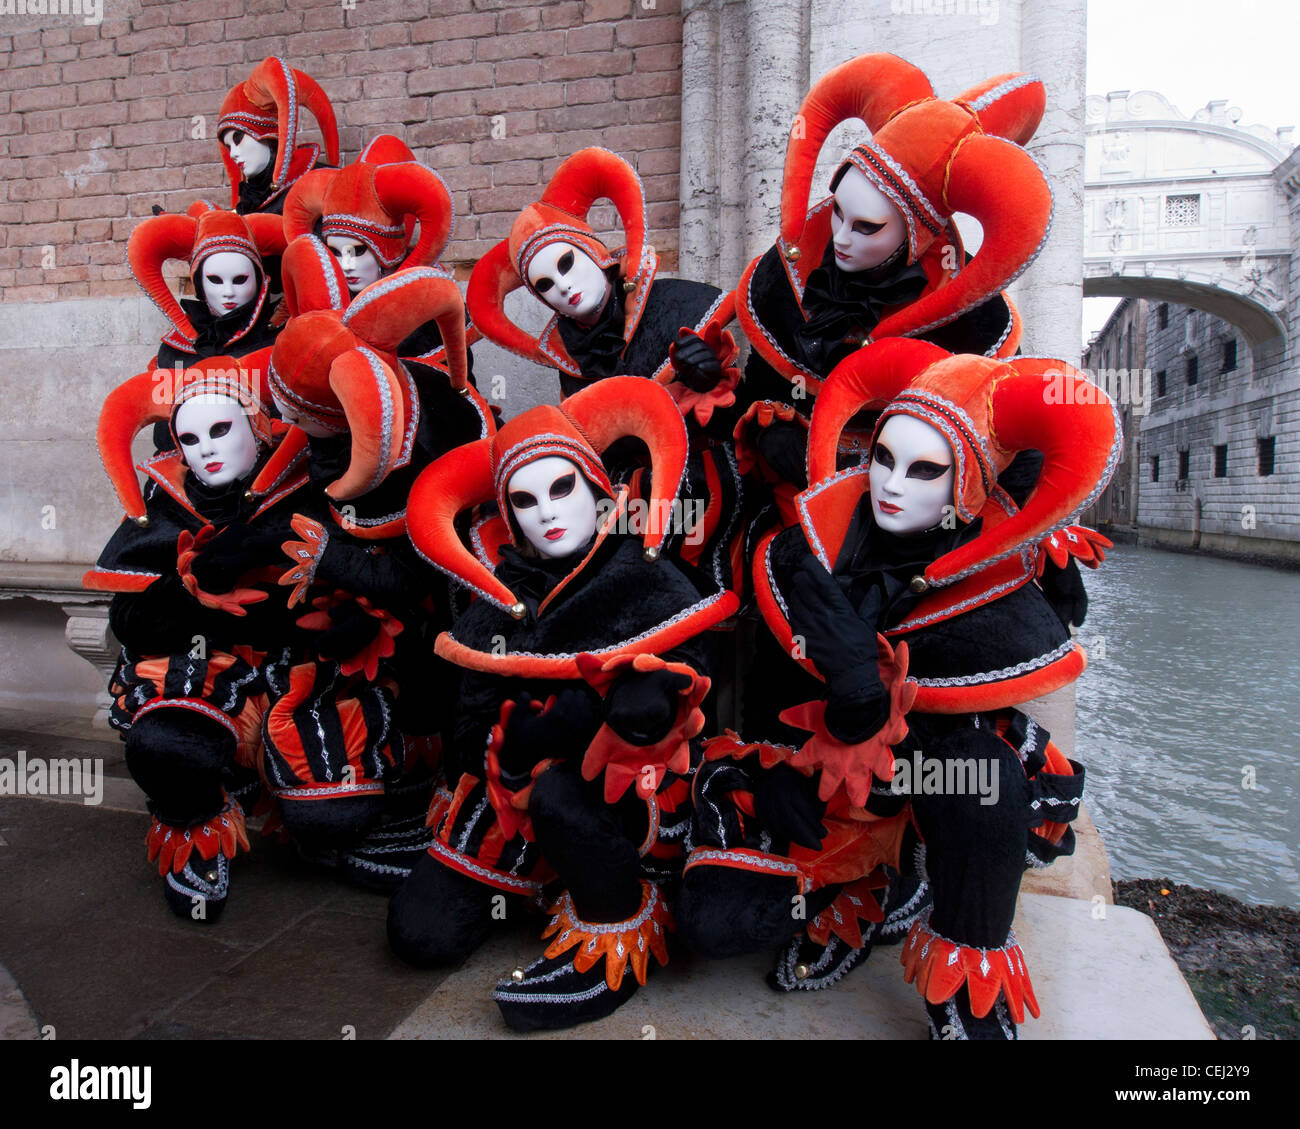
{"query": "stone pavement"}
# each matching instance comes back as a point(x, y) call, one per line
point(92, 951)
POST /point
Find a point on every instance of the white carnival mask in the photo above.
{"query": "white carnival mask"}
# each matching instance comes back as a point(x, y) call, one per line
point(569, 281)
point(865, 227)
point(216, 439)
point(357, 261)
point(251, 155)
point(229, 280)
point(554, 505)
point(911, 476)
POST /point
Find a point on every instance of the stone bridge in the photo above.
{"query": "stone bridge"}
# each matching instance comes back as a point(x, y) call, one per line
point(1192, 211)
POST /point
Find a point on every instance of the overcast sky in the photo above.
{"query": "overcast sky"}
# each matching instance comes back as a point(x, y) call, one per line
point(1194, 52)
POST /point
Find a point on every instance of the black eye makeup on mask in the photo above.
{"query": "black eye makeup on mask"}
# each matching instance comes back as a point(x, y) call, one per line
point(522, 500)
point(562, 487)
point(562, 266)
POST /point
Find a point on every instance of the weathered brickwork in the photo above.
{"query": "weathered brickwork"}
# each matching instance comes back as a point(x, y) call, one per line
point(99, 123)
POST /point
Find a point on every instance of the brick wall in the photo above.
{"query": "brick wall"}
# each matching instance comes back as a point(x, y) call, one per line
point(97, 122)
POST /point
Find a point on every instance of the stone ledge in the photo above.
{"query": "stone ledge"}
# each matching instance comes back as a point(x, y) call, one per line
point(1095, 978)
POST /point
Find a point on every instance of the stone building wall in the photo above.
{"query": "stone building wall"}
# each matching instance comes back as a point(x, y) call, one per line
point(1115, 360)
point(1230, 507)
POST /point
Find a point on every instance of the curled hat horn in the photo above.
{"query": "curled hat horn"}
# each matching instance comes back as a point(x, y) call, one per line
point(1001, 185)
point(1008, 105)
point(868, 378)
point(304, 204)
point(275, 83)
point(386, 312)
point(1047, 405)
point(376, 406)
point(492, 279)
point(151, 397)
point(312, 277)
point(632, 405)
point(132, 406)
point(411, 190)
point(592, 174)
point(153, 242)
point(450, 485)
point(870, 87)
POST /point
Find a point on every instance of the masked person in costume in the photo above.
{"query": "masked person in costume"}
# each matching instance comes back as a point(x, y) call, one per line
point(197, 610)
point(258, 133)
point(882, 256)
point(367, 213)
point(366, 422)
point(908, 589)
point(613, 315)
point(232, 308)
point(585, 660)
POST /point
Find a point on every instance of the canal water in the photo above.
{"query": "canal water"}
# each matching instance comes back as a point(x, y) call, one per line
point(1192, 695)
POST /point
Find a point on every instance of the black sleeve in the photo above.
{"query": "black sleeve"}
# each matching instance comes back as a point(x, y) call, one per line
point(161, 620)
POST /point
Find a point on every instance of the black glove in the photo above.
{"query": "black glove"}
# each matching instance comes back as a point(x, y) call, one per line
point(855, 714)
point(564, 730)
point(232, 551)
point(349, 631)
point(642, 705)
point(696, 365)
point(786, 801)
point(1064, 590)
point(784, 446)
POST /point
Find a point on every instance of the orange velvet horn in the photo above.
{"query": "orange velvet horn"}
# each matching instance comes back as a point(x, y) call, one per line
point(274, 82)
point(305, 203)
point(632, 405)
point(458, 481)
point(999, 184)
point(492, 278)
point(375, 404)
point(868, 378)
point(1008, 105)
point(153, 242)
point(312, 277)
point(410, 189)
point(870, 87)
point(386, 312)
point(133, 405)
point(1052, 407)
point(593, 174)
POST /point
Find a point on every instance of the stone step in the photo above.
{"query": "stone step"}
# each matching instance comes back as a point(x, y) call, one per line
point(1096, 977)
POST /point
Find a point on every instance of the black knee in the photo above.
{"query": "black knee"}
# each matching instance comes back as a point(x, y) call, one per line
point(177, 756)
point(332, 824)
point(440, 916)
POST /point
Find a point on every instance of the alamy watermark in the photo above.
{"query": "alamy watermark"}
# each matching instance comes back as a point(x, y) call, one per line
point(90, 11)
point(63, 776)
point(987, 10)
point(949, 776)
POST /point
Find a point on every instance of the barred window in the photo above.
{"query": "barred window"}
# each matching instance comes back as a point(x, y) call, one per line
point(1183, 211)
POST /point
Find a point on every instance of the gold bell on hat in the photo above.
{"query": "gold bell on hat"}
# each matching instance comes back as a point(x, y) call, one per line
point(801, 971)
point(919, 584)
point(792, 252)
point(517, 976)
point(518, 610)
